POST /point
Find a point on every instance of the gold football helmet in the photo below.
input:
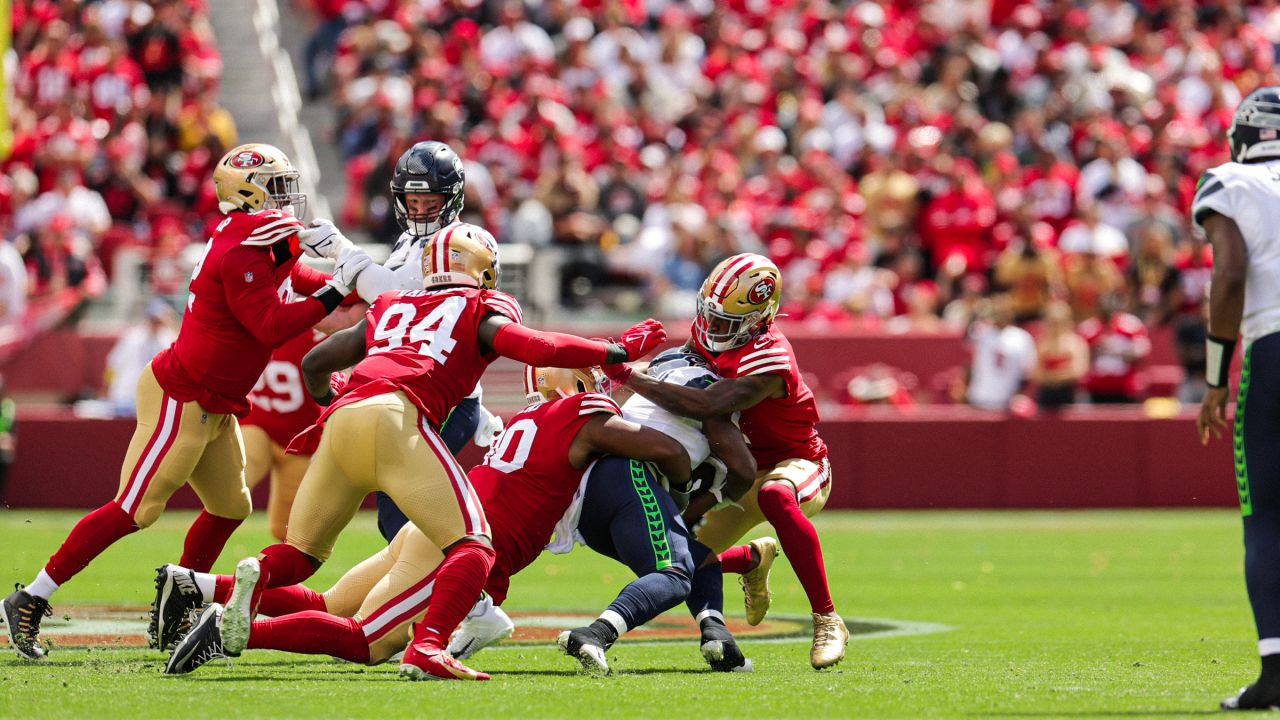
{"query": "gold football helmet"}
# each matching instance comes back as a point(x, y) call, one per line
point(557, 383)
point(460, 254)
point(256, 177)
point(737, 302)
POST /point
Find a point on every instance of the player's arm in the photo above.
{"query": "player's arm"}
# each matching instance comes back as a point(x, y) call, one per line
point(1226, 307)
point(307, 280)
point(551, 349)
point(725, 397)
point(611, 435)
point(728, 444)
point(251, 294)
point(337, 352)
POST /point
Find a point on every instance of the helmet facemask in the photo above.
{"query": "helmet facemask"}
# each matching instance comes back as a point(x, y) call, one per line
point(284, 192)
point(425, 224)
point(718, 331)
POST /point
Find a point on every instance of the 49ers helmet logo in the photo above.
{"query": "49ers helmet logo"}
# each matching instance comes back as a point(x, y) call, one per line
point(761, 291)
point(247, 159)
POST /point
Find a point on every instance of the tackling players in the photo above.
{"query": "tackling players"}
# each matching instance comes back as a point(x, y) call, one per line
point(191, 393)
point(734, 330)
point(418, 354)
point(526, 483)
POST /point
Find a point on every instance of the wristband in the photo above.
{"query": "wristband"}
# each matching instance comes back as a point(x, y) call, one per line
point(617, 353)
point(1218, 352)
point(330, 296)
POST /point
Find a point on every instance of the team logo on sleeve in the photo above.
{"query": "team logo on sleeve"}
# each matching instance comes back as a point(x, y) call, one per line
point(761, 291)
point(247, 159)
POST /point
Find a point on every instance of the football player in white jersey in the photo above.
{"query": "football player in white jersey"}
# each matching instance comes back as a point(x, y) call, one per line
point(427, 195)
point(1238, 206)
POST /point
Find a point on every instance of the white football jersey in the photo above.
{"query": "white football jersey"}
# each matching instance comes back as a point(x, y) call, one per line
point(685, 431)
point(1249, 194)
point(401, 271)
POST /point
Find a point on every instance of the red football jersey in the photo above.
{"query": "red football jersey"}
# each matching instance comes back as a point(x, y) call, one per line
point(1112, 345)
point(526, 482)
point(777, 429)
point(424, 343)
point(236, 313)
point(282, 407)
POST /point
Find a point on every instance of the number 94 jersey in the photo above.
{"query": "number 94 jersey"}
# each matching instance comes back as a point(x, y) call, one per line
point(425, 343)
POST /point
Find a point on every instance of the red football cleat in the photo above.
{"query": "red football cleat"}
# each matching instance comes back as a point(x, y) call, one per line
point(424, 661)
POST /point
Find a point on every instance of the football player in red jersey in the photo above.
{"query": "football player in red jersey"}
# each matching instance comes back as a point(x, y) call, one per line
point(416, 355)
point(734, 329)
point(527, 482)
point(192, 392)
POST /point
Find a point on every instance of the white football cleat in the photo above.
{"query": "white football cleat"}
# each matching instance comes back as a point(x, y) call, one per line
point(485, 625)
point(237, 619)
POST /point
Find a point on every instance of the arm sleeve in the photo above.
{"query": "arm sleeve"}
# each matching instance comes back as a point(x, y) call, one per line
point(548, 349)
point(247, 279)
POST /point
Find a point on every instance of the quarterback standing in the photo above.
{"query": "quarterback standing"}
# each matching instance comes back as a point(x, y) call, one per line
point(192, 392)
point(1238, 206)
point(734, 330)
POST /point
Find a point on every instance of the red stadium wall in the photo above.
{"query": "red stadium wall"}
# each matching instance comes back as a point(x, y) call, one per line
point(933, 458)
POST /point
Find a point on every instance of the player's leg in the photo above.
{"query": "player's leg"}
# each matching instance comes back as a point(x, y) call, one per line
point(644, 532)
point(1257, 425)
point(219, 480)
point(381, 626)
point(458, 429)
point(793, 491)
point(166, 444)
point(257, 454)
point(416, 469)
point(706, 605)
point(752, 561)
point(287, 472)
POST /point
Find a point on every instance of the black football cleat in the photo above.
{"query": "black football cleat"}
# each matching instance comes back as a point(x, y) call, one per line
point(1255, 697)
point(23, 613)
point(171, 613)
point(202, 644)
point(721, 650)
point(587, 647)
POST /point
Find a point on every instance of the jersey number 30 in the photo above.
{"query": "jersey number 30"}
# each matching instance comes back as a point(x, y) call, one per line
point(433, 334)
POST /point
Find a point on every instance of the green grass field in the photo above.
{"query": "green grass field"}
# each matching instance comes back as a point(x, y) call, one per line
point(1090, 614)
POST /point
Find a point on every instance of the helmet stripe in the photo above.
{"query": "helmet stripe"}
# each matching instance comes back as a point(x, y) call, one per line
point(442, 250)
point(731, 273)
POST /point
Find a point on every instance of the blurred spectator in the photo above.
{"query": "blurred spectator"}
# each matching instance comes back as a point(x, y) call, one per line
point(1153, 278)
point(1190, 315)
point(1062, 359)
point(1032, 275)
point(1088, 278)
point(1004, 356)
point(13, 291)
point(1117, 346)
point(131, 353)
point(8, 437)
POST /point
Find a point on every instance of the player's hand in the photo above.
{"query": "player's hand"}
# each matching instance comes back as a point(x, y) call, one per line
point(643, 338)
point(337, 381)
point(350, 263)
point(1213, 414)
point(488, 429)
point(618, 374)
point(322, 240)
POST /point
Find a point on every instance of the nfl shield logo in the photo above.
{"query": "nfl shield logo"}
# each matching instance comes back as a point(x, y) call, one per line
point(248, 277)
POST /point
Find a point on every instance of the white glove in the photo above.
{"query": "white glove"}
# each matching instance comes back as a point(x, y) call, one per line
point(488, 429)
point(350, 263)
point(323, 240)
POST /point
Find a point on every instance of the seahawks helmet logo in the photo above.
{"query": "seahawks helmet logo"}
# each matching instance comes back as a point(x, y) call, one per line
point(761, 291)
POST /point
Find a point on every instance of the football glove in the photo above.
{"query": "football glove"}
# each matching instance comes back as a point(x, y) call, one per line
point(642, 338)
point(350, 263)
point(322, 240)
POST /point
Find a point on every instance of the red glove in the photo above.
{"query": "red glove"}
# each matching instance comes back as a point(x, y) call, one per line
point(337, 381)
point(618, 374)
point(643, 338)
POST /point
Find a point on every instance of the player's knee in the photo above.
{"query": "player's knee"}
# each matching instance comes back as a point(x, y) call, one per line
point(146, 515)
point(680, 581)
point(481, 542)
point(776, 493)
point(279, 528)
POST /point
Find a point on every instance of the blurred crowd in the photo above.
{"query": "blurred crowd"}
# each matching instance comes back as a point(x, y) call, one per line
point(116, 127)
point(900, 161)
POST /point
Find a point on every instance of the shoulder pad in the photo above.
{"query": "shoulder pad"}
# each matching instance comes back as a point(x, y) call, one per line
point(590, 403)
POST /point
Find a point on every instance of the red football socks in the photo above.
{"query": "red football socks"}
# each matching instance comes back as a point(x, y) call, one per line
point(737, 559)
point(205, 540)
point(278, 602)
point(459, 581)
point(313, 633)
point(799, 541)
point(95, 532)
